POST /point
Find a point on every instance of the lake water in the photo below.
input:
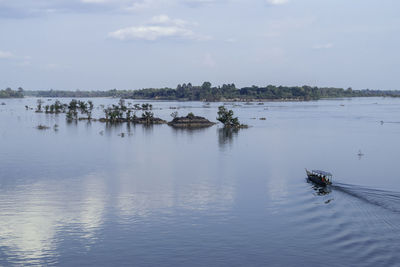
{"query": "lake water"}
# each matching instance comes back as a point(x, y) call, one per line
point(84, 195)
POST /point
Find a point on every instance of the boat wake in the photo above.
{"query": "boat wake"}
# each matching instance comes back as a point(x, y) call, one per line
point(389, 200)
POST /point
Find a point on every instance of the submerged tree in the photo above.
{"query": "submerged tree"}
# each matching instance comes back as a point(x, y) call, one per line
point(114, 113)
point(83, 107)
point(72, 110)
point(122, 105)
point(226, 117)
point(70, 115)
point(39, 105)
point(148, 116)
point(147, 106)
point(73, 105)
point(174, 114)
point(90, 109)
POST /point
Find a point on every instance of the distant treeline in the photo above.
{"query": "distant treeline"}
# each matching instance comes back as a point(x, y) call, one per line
point(9, 93)
point(207, 92)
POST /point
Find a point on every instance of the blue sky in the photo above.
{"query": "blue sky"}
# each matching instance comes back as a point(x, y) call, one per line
point(132, 44)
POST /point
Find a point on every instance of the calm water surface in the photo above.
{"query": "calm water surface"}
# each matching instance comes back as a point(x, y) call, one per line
point(83, 195)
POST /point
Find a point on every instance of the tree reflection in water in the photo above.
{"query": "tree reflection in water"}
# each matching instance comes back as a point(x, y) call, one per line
point(148, 129)
point(188, 130)
point(226, 136)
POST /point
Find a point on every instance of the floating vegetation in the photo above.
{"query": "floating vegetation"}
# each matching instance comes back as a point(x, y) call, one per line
point(42, 127)
point(360, 154)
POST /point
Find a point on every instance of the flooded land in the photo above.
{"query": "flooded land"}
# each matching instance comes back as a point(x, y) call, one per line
point(122, 193)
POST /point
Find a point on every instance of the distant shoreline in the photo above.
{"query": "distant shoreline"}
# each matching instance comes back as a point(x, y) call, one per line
point(222, 100)
point(208, 93)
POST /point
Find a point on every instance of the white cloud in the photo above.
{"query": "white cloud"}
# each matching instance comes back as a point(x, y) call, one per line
point(277, 2)
point(28, 8)
point(117, 3)
point(151, 33)
point(165, 20)
point(323, 46)
point(195, 3)
point(145, 4)
point(94, 1)
point(159, 27)
point(5, 54)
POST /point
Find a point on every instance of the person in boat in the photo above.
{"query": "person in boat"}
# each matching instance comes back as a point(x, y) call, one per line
point(321, 176)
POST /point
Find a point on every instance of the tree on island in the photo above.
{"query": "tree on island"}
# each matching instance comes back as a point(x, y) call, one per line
point(226, 117)
point(148, 116)
point(39, 105)
point(174, 114)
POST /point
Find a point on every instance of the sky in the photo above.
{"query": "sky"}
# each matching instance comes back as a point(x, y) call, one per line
point(133, 44)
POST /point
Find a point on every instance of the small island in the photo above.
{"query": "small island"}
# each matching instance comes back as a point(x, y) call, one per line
point(189, 121)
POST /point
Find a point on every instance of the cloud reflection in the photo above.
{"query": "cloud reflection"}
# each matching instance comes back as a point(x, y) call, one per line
point(32, 216)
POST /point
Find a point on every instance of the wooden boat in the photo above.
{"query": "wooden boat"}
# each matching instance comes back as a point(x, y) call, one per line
point(320, 178)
